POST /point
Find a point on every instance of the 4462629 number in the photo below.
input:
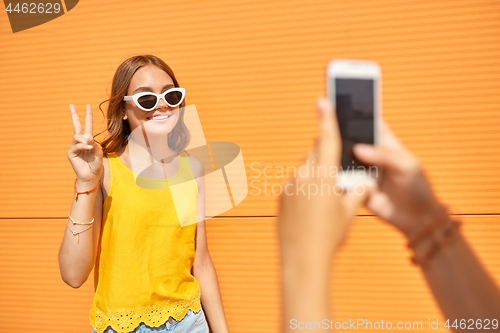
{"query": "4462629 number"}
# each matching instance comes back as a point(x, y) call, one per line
point(473, 324)
point(33, 8)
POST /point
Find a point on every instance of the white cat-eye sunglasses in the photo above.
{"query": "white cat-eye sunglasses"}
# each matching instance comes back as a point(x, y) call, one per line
point(147, 101)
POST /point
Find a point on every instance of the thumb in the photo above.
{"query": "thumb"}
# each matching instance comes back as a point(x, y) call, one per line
point(383, 157)
point(358, 194)
point(329, 142)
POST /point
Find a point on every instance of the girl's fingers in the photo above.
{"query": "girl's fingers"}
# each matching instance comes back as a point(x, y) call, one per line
point(383, 157)
point(88, 120)
point(329, 142)
point(79, 138)
point(355, 199)
point(79, 147)
point(89, 139)
point(380, 204)
point(77, 126)
point(327, 145)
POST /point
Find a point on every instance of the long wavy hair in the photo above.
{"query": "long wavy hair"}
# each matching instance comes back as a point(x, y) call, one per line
point(118, 128)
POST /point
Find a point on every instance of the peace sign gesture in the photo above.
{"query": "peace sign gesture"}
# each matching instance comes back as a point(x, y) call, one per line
point(85, 155)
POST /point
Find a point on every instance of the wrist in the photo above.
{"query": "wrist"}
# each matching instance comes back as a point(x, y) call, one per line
point(307, 262)
point(305, 285)
point(306, 276)
point(86, 186)
point(431, 244)
point(420, 221)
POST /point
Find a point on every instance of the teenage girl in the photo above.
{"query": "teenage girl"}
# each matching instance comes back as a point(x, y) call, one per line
point(150, 273)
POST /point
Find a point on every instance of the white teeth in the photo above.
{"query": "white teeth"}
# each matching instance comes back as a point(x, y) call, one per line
point(160, 117)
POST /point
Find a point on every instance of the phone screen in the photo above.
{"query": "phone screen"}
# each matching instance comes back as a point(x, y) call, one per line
point(355, 107)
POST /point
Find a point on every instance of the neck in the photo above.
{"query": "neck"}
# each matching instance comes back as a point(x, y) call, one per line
point(149, 148)
point(159, 148)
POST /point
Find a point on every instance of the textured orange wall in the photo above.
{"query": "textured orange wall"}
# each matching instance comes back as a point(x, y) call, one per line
point(254, 70)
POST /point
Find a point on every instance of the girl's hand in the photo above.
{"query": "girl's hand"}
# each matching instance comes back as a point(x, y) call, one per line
point(312, 225)
point(403, 197)
point(314, 214)
point(85, 155)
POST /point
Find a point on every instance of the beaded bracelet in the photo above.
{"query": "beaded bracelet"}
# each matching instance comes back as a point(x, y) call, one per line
point(449, 234)
point(439, 218)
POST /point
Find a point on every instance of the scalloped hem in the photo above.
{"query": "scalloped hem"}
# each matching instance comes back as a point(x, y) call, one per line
point(127, 320)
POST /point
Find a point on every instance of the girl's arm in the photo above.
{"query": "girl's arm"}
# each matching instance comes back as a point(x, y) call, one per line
point(461, 285)
point(203, 268)
point(77, 253)
point(311, 227)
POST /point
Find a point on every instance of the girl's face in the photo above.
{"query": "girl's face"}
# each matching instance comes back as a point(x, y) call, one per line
point(154, 79)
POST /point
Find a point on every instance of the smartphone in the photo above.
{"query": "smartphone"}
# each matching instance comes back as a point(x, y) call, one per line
point(353, 86)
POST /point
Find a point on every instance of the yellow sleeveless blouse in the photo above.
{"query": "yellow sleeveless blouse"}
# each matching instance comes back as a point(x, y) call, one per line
point(144, 258)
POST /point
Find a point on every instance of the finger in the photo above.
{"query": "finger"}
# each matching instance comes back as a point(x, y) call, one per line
point(77, 126)
point(380, 204)
point(89, 138)
point(88, 120)
point(329, 142)
point(79, 147)
point(312, 156)
point(384, 157)
point(356, 197)
point(79, 138)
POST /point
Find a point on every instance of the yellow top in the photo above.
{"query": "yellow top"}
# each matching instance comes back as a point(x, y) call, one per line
point(144, 258)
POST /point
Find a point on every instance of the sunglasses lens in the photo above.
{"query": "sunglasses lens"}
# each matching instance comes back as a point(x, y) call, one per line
point(147, 101)
point(173, 97)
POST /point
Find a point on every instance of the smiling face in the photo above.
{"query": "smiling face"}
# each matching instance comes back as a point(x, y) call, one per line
point(163, 118)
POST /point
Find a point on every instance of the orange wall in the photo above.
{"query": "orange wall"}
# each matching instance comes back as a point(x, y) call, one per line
point(254, 70)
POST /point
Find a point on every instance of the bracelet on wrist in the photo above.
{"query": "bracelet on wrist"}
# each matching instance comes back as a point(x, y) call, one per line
point(76, 192)
point(77, 233)
point(438, 218)
point(81, 223)
point(448, 233)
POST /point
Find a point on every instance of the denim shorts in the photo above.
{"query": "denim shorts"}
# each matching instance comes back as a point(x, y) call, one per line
point(192, 323)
